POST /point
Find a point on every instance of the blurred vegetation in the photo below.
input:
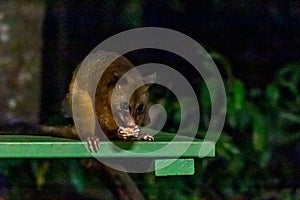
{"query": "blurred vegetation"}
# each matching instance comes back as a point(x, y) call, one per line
point(258, 153)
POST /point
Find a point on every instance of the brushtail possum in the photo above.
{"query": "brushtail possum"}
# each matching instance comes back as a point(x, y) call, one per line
point(120, 102)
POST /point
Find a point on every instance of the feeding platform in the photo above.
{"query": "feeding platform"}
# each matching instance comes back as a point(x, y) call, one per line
point(179, 152)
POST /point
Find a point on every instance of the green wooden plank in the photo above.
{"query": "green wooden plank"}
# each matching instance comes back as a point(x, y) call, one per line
point(21, 146)
point(171, 167)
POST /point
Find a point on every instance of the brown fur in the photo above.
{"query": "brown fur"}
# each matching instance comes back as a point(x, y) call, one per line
point(105, 103)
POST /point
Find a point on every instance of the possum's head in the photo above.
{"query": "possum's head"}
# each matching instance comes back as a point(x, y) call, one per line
point(129, 106)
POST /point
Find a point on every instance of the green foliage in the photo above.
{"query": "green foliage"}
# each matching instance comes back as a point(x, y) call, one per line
point(262, 125)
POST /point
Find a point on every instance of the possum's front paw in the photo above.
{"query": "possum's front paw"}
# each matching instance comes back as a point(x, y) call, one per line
point(146, 137)
point(129, 132)
point(93, 143)
point(133, 133)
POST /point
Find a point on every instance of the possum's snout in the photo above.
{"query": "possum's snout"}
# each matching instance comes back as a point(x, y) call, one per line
point(124, 119)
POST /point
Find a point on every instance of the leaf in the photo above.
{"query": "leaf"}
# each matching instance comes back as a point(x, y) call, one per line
point(239, 94)
point(236, 165)
point(231, 112)
point(289, 77)
point(77, 176)
point(290, 117)
point(259, 135)
point(259, 128)
point(264, 159)
point(177, 113)
point(223, 61)
point(226, 148)
point(40, 171)
point(205, 97)
point(272, 95)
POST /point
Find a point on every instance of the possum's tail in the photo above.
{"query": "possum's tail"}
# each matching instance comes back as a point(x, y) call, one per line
point(24, 128)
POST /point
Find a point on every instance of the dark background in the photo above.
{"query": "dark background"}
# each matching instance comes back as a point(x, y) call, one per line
point(255, 45)
point(258, 37)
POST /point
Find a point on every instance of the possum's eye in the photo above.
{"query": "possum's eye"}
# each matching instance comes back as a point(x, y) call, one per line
point(140, 109)
point(125, 106)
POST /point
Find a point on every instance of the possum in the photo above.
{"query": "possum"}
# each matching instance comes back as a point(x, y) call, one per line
point(120, 102)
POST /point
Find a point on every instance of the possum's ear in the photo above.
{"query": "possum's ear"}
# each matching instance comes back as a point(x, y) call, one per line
point(120, 81)
point(149, 80)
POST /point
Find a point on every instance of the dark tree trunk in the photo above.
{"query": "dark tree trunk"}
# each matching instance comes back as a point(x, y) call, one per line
point(71, 30)
point(56, 61)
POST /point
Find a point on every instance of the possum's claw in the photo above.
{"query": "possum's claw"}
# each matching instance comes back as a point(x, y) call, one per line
point(123, 133)
point(146, 137)
point(93, 144)
point(136, 132)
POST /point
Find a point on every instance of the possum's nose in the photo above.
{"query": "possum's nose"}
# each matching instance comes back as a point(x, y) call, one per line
point(130, 122)
point(126, 120)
